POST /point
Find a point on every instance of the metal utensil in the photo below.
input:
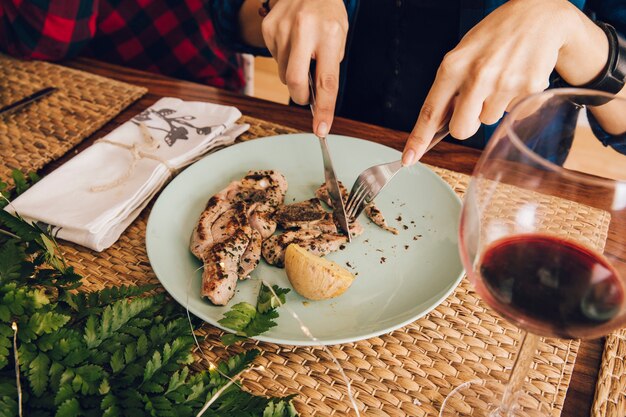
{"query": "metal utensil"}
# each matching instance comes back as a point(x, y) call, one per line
point(371, 181)
point(329, 174)
point(21, 103)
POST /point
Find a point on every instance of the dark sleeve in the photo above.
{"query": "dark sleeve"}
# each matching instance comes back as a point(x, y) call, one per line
point(612, 12)
point(617, 142)
point(50, 30)
point(225, 16)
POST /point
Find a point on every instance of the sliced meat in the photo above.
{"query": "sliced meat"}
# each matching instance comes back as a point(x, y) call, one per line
point(322, 194)
point(315, 241)
point(262, 191)
point(301, 215)
point(263, 222)
point(221, 267)
point(376, 216)
point(229, 233)
point(202, 237)
point(252, 255)
point(229, 222)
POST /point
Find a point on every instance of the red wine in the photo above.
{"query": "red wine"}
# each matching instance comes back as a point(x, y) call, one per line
point(550, 285)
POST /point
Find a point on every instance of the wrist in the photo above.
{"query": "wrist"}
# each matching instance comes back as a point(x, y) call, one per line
point(585, 52)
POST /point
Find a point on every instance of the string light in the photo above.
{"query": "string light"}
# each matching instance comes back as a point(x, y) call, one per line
point(307, 332)
point(16, 356)
point(233, 380)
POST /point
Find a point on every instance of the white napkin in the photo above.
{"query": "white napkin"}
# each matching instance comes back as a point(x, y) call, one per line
point(91, 199)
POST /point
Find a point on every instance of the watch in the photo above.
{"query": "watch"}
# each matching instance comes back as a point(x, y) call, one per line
point(613, 78)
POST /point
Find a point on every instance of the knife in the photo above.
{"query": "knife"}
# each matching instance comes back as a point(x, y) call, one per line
point(21, 103)
point(332, 185)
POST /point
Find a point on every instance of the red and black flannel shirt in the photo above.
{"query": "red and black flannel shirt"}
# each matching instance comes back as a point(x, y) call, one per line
point(172, 37)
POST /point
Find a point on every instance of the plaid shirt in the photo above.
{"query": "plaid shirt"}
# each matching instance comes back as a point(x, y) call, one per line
point(172, 37)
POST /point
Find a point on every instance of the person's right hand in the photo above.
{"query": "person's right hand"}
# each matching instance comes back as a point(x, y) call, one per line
point(296, 31)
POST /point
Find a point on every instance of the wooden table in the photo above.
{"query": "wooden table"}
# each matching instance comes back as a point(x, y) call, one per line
point(445, 155)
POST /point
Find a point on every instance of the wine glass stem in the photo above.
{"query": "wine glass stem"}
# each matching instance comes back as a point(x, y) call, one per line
point(524, 360)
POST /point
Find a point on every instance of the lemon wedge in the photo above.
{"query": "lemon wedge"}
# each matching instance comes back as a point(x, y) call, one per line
point(313, 277)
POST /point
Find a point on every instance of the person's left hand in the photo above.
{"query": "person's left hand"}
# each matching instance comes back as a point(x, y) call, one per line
point(508, 55)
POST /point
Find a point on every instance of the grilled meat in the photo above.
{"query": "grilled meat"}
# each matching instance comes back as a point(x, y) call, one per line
point(221, 266)
point(230, 231)
point(371, 211)
point(378, 219)
point(322, 194)
point(305, 215)
point(252, 255)
point(314, 241)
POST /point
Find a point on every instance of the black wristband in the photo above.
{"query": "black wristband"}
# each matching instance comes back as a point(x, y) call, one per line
point(613, 77)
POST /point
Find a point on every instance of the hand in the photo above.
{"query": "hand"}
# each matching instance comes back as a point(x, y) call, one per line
point(296, 31)
point(508, 55)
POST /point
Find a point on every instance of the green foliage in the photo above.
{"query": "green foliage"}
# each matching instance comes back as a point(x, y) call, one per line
point(117, 351)
point(248, 321)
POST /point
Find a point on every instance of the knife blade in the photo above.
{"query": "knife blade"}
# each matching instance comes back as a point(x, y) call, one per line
point(332, 185)
point(21, 103)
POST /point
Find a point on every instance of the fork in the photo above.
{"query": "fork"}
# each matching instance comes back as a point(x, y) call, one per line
point(371, 181)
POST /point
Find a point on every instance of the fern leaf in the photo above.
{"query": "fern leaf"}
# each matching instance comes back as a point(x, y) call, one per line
point(237, 363)
point(47, 322)
point(177, 380)
point(239, 316)
point(64, 393)
point(113, 318)
point(231, 338)
point(87, 379)
point(152, 366)
point(281, 408)
point(8, 396)
point(117, 361)
point(5, 344)
point(11, 258)
point(38, 374)
point(70, 408)
point(5, 313)
point(19, 226)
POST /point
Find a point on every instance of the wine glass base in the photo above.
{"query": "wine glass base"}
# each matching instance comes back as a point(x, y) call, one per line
point(483, 398)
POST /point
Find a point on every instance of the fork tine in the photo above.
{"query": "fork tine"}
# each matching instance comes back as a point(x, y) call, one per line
point(358, 202)
point(356, 189)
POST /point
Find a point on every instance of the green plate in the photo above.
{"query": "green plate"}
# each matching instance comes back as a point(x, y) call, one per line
point(400, 277)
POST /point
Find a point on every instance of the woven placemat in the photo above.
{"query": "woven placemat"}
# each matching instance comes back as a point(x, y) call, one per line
point(49, 127)
point(408, 372)
point(610, 398)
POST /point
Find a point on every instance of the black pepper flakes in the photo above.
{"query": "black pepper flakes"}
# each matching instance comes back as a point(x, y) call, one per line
point(383, 260)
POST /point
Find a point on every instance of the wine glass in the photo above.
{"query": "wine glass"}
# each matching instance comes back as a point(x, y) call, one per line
point(527, 249)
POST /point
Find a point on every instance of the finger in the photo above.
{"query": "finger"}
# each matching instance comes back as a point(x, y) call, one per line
point(465, 119)
point(282, 59)
point(297, 73)
point(494, 107)
point(431, 118)
point(326, 86)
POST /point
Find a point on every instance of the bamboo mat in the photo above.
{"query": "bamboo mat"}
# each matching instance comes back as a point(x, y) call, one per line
point(610, 398)
point(408, 372)
point(51, 126)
